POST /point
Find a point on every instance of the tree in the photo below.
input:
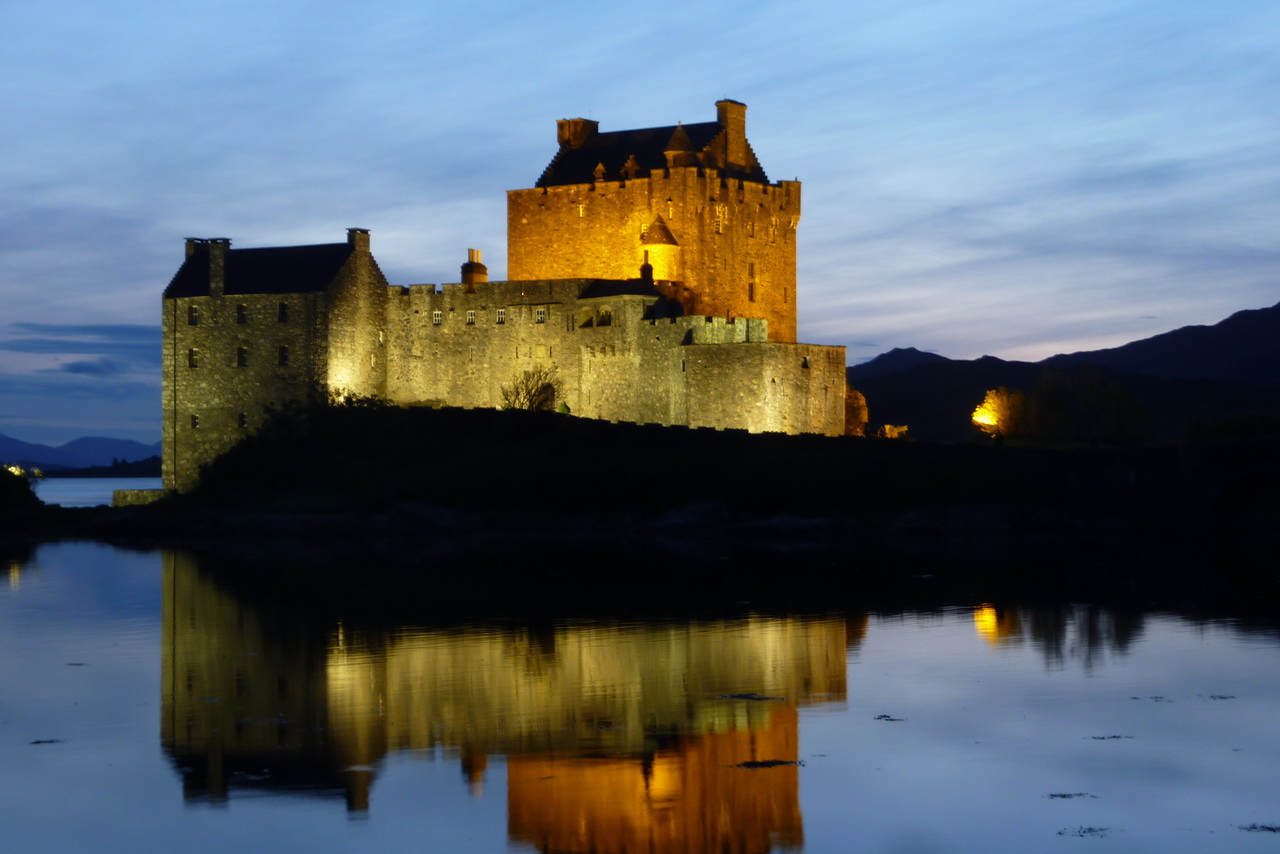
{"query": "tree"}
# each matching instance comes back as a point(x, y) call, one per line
point(1000, 412)
point(855, 412)
point(536, 389)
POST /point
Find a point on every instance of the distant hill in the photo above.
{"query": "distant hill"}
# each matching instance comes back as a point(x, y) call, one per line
point(1197, 372)
point(895, 361)
point(1243, 348)
point(78, 453)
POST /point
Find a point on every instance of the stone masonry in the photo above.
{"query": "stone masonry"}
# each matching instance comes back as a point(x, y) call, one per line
point(661, 290)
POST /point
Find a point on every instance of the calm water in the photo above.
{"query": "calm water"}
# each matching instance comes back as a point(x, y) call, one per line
point(144, 707)
point(88, 491)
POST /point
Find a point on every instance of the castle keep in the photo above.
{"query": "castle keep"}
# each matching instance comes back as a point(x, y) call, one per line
point(651, 272)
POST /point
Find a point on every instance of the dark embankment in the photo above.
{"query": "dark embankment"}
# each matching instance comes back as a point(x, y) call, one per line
point(592, 504)
point(17, 498)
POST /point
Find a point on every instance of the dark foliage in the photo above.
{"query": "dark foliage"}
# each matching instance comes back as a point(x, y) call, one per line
point(16, 494)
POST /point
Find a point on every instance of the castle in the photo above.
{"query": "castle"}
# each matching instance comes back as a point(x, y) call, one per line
point(651, 279)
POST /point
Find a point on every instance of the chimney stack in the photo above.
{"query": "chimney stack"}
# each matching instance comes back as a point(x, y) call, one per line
point(574, 132)
point(732, 116)
point(474, 272)
point(218, 247)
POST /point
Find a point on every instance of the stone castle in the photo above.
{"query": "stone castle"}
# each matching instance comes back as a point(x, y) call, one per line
point(652, 279)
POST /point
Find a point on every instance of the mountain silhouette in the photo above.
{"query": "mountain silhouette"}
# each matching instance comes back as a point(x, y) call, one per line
point(78, 453)
point(1243, 348)
point(1230, 369)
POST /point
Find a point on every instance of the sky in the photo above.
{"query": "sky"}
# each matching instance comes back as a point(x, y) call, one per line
point(1006, 177)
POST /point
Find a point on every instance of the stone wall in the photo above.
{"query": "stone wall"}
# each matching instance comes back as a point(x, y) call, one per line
point(618, 358)
point(357, 358)
point(736, 253)
point(227, 361)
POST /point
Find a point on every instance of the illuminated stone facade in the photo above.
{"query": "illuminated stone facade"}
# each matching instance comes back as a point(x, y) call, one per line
point(692, 198)
point(662, 291)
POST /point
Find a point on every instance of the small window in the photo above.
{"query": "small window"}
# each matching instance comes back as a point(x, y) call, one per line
point(751, 270)
point(193, 358)
point(502, 315)
point(751, 291)
point(243, 420)
point(282, 312)
point(471, 317)
point(284, 356)
point(722, 213)
point(804, 361)
point(242, 314)
point(193, 315)
point(242, 357)
point(605, 318)
point(539, 315)
point(437, 317)
point(195, 422)
point(582, 210)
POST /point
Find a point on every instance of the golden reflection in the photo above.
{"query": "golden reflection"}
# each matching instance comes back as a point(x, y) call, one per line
point(696, 797)
point(618, 737)
point(15, 574)
point(999, 627)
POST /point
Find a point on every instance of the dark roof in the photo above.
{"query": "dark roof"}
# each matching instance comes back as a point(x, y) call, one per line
point(619, 287)
point(577, 165)
point(274, 270)
point(658, 233)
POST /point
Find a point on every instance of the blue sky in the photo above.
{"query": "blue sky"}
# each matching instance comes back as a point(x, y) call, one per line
point(1009, 177)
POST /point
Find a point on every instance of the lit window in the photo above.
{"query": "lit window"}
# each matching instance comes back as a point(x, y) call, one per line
point(582, 210)
point(540, 315)
point(193, 316)
point(242, 357)
point(282, 312)
point(193, 358)
point(284, 355)
point(502, 315)
point(471, 317)
point(437, 317)
point(242, 314)
point(722, 213)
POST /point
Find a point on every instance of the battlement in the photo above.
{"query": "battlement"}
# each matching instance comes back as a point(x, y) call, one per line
point(651, 280)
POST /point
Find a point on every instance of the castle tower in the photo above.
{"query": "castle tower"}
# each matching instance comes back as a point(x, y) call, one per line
point(728, 234)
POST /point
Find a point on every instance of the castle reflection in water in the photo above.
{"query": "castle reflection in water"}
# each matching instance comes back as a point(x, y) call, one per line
point(617, 737)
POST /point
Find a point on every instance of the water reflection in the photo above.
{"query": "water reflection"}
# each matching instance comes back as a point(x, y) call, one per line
point(1072, 632)
point(18, 561)
point(656, 736)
